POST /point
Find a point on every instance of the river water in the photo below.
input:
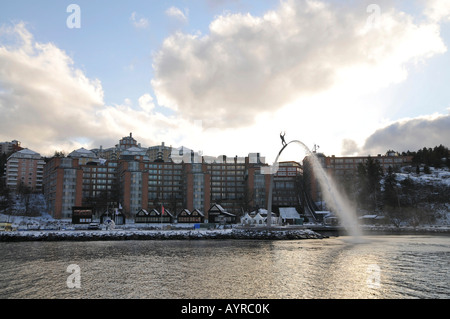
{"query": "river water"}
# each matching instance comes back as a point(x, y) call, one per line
point(381, 267)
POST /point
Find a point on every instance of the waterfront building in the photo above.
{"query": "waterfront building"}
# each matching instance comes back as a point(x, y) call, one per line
point(217, 214)
point(154, 216)
point(82, 215)
point(345, 167)
point(10, 147)
point(25, 169)
point(185, 216)
point(62, 186)
point(287, 185)
point(348, 165)
point(136, 181)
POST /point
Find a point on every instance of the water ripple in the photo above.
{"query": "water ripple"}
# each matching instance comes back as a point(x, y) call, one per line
point(409, 267)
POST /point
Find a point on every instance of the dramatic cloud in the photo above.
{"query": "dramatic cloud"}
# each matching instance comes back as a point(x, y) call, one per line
point(249, 65)
point(49, 105)
point(43, 96)
point(306, 68)
point(411, 134)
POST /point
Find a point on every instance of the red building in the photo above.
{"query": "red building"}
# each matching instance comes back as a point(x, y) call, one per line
point(135, 182)
point(345, 166)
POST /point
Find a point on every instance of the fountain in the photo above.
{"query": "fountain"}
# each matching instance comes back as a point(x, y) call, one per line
point(337, 201)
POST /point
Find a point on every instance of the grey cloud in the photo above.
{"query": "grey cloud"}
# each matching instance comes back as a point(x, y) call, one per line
point(410, 135)
point(349, 147)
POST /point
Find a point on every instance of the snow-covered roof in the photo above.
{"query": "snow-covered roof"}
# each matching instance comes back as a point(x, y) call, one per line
point(289, 213)
point(219, 208)
point(263, 212)
point(258, 216)
point(134, 149)
point(25, 153)
point(184, 211)
point(247, 216)
point(28, 152)
point(82, 152)
point(142, 211)
point(198, 211)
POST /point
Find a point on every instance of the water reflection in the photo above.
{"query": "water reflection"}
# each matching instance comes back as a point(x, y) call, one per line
point(408, 266)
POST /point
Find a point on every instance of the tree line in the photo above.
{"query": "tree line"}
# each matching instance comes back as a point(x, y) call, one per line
point(377, 191)
point(434, 157)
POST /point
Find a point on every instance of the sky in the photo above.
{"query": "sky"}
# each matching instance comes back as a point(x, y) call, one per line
point(226, 77)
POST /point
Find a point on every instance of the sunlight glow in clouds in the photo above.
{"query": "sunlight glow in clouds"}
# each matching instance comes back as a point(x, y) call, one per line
point(306, 67)
point(247, 65)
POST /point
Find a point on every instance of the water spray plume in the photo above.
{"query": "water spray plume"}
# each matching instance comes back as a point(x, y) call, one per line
point(335, 200)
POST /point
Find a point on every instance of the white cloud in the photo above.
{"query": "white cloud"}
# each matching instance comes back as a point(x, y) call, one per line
point(48, 104)
point(247, 65)
point(43, 95)
point(176, 13)
point(437, 10)
point(146, 103)
point(140, 23)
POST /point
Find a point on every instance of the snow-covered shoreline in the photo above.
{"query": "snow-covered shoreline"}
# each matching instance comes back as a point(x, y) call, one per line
point(95, 235)
point(235, 233)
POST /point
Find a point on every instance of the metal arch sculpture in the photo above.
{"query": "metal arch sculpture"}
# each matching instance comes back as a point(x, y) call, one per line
point(274, 169)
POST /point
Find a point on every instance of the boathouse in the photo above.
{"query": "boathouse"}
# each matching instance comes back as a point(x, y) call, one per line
point(217, 214)
point(289, 215)
point(185, 216)
point(154, 216)
point(82, 215)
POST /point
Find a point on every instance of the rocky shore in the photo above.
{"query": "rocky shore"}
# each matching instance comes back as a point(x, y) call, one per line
point(105, 235)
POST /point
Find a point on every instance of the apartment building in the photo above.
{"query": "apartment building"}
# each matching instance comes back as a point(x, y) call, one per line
point(62, 186)
point(134, 182)
point(345, 166)
point(25, 169)
point(287, 184)
point(9, 147)
point(159, 152)
point(190, 185)
point(154, 153)
point(340, 166)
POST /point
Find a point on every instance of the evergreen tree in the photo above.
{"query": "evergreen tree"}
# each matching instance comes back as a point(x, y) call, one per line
point(434, 157)
point(390, 189)
point(369, 178)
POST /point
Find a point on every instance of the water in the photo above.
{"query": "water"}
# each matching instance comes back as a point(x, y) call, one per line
point(405, 267)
